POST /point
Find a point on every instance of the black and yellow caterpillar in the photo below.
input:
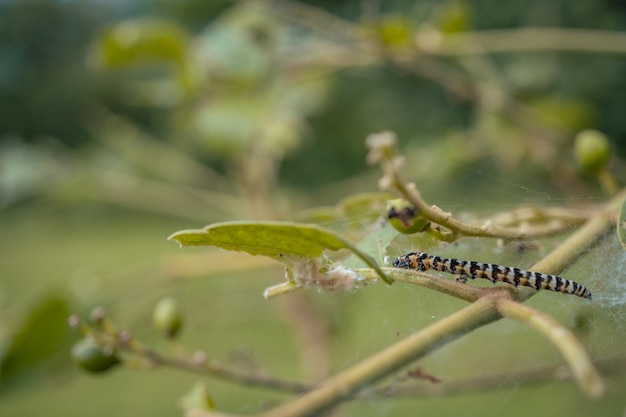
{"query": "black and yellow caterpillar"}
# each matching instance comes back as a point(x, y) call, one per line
point(470, 269)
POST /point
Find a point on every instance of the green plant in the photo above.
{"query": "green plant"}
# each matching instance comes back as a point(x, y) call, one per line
point(302, 249)
point(260, 115)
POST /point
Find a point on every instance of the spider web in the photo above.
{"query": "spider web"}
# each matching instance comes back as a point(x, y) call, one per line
point(506, 351)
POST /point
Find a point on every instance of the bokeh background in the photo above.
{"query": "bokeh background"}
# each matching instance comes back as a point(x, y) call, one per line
point(122, 122)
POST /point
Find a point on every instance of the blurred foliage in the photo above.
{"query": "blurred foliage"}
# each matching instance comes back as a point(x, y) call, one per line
point(36, 341)
point(215, 88)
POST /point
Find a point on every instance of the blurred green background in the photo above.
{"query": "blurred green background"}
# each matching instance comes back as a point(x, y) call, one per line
point(122, 122)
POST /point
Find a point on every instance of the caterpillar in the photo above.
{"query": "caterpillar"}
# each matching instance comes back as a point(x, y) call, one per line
point(471, 269)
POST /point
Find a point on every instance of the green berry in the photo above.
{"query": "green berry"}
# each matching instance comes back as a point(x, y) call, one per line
point(403, 217)
point(167, 317)
point(592, 151)
point(92, 357)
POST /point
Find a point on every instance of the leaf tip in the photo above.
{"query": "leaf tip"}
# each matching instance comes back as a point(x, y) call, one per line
point(173, 238)
point(179, 237)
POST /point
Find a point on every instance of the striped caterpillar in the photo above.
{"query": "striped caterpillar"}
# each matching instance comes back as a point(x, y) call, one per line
point(471, 269)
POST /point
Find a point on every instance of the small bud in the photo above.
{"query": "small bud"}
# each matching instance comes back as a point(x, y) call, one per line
point(124, 337)
point(592, 151)
point(92, 357)
point(167, 318)
point(73, 321)
point(97, 315)
point(403, 217)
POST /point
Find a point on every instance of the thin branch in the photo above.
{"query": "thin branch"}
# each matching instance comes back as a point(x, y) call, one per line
point(108, 335)
point(584, 238)
point(489, 382)
point(464, 43)
point(156, 196)
point(531, 214)
point(154, 155)
point(579, 362)
point(282, 288)
point(381, 364)
point(383, 150)
point(314, 18)
point(200, 364)
point(530, 39)
point(423, 279)
point(432, 282)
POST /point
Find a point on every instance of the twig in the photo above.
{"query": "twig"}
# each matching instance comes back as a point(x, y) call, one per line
point(579, 362)
point(315, 18)
point(377, 366)
point(156, 196)
point(200, 364)
point(583, 239)
point(482, 383)
point(432, 282)
point(148, 152)
point(531, 39)
point(108, 335)
point(383, 150)
point(573, 216)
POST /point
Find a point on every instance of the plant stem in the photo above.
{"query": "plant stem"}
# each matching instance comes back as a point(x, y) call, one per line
point(489, 382)
point(583, 239)
point(431, 281)
point(383, 151)
point(532, 39)
point(280, 289)
point(204, 366)
point(579, 362)
point(377, 366)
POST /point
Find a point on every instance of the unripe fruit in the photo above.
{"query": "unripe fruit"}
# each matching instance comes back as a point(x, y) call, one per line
point(167, 318)
point(592, 151)
point(403, 217)
point(92, 357)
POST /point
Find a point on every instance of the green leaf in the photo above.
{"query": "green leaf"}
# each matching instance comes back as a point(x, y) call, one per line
point(228, 124)
point(38, 338)
point(143, 41)
point(454, 17)
point(272, 239)
point(354, 212)
point(563, 112)
point(370, 205)
point(395, 30)
point(621, 224)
